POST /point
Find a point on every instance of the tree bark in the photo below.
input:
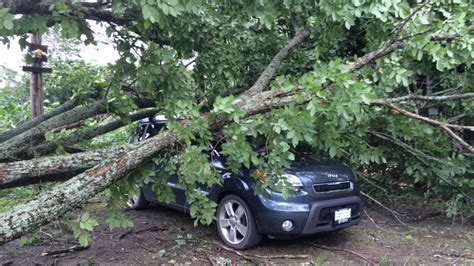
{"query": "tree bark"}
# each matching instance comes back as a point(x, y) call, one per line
point(50, 146)
point(33, 131)
point(271, 69)
point(76, 191)
point(35, 135)
point(394, 45)
point(5, 135)
point(46, 168)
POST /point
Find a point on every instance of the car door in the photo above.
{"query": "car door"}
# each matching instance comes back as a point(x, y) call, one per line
point(217, 161)
point(178, 191)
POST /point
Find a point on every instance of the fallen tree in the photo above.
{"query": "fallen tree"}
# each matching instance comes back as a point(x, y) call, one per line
point(126, 158)
point(314, 96)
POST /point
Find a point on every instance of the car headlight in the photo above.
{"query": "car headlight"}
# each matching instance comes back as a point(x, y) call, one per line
point(292, 180)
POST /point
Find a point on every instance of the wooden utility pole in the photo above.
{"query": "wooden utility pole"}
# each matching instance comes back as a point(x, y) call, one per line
point(36, 83)
point(39, 55)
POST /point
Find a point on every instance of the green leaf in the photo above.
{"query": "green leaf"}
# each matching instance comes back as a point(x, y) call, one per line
point(8, 22)
point(84, 239)
point(172, 2)
point(291, 157)
point(22, 242)
point(86, 226)
point(332, 151)
point(160, 253)
point(424, 20)
point(471, 183)
point(428, 130)
point(85, 216)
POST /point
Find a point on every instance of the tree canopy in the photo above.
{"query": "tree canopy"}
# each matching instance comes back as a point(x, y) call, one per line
point(386, 86)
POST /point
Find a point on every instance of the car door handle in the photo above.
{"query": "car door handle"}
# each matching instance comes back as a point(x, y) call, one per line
point(227, 175)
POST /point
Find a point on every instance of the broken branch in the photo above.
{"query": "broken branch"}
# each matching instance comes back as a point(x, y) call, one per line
point(340, 249)
point(445, 127)
point(50, 168)
point(249, 256)
point(66, 250)
point(430, 98)
point(90, 133)
point(6, 135)
point(271, 69)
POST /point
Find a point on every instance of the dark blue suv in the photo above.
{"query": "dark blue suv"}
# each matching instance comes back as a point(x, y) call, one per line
point(326, 198)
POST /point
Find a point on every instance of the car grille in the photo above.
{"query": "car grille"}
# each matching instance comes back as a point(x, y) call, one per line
point(330, 187)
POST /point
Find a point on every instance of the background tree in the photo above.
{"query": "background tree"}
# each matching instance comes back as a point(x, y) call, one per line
point(385, 86)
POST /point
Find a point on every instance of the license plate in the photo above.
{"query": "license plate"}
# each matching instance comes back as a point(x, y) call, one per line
point(342, 215)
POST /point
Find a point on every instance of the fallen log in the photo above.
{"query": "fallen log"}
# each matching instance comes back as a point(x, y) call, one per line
point(33, 136)
point(10, 149)
point(48, 147)
point(6, 135)
point(76, 191)
point(63, 251)
point(48, 169)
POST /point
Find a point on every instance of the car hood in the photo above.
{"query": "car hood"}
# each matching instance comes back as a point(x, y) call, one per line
point(316, 170)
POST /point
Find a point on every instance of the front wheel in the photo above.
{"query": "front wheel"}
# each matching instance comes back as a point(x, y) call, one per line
point(236, 224)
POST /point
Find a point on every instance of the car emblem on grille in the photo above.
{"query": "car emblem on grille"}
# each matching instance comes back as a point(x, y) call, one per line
point(333, 176)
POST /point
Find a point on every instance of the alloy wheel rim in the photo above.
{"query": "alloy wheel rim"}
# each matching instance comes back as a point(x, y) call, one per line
point(233, 222)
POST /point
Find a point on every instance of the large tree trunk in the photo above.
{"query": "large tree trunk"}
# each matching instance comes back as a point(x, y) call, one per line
point(46, 169)
point(51, 168)
point(15, 147)
point(76, 191)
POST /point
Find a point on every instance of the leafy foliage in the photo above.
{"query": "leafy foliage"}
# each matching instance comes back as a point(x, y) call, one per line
point(74, 79)
point(183, 54)
point(82, 228)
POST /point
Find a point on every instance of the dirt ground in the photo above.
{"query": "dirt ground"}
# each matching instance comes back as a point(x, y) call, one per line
point(166, 236)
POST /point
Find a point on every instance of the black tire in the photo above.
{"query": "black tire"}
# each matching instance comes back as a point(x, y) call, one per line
point(138, 202)
point(236, 223)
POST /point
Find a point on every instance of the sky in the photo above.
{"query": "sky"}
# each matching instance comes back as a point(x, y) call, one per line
point(12, 57)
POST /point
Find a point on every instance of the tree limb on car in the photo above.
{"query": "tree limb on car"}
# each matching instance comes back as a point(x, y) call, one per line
point(76, 191)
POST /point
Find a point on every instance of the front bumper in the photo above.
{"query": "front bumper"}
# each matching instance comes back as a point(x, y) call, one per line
point(312, 218)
